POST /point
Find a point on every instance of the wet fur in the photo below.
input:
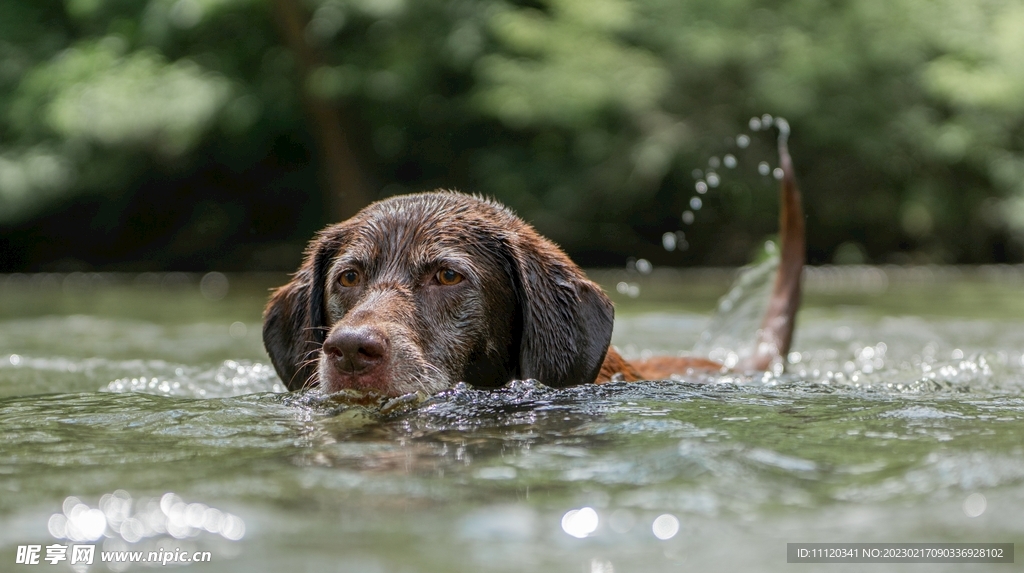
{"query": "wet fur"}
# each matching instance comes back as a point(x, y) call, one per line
point(523, 311)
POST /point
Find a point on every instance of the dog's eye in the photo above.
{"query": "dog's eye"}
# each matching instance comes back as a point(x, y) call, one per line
point(349, 278)
point(448, 277)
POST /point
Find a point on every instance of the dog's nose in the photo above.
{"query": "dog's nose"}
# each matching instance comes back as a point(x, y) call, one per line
point(357, 349)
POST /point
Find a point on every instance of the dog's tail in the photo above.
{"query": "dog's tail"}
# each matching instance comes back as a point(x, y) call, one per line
point(776, 332)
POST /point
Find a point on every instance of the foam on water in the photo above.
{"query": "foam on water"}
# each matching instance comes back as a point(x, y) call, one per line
point(231, 378)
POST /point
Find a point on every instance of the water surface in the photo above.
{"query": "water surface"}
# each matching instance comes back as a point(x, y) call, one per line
point(142, 411)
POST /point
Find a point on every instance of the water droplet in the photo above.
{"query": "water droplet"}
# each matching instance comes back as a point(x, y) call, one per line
point(580, 523)
point(701, 187)
point(237, 330)
point(713, 180)
point(783, 126)
point(975, 505)
point(696, 203)
point(58, 526)
point(714, 162)
point(644, 266)
point(755, 124)
point(688, 217)
point(697, 173)
point(729, 161)
point(763, 168)
point(214, 286)
point(668, 240)
point(778, 173)
point(232, 528)
point(665, 526)
point(766, 121)
point(742, 141)
point(632, 290)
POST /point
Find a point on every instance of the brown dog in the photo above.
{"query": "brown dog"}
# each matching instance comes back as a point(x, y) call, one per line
point(420, 292)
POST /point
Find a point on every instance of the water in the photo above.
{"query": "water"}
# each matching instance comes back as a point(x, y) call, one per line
point(139, 409)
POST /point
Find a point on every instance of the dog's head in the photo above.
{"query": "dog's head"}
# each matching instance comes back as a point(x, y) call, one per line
point(420, 292)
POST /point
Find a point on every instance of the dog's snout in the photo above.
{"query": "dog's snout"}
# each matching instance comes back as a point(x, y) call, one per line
point(358, 349)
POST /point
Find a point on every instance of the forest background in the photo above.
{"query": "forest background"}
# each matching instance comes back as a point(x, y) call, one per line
point(221, 134)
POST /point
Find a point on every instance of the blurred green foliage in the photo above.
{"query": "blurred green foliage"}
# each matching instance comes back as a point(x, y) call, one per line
point(589, 117)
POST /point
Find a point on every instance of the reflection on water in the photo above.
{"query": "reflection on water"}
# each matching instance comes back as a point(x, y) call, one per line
point(131, 520)
point(886, 427)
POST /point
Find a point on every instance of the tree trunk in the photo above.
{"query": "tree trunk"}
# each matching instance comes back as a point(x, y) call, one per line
point(347, 189)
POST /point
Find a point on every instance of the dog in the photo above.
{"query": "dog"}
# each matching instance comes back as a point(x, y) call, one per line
point(417, 293)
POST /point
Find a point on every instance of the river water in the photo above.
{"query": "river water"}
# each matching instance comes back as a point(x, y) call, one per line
point(141, 413)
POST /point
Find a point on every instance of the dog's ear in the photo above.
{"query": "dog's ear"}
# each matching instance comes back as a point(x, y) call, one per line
point(295, 323)
point(566, 318)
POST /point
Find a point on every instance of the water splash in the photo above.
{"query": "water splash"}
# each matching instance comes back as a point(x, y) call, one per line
point(729, 338)
point(707, 179)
